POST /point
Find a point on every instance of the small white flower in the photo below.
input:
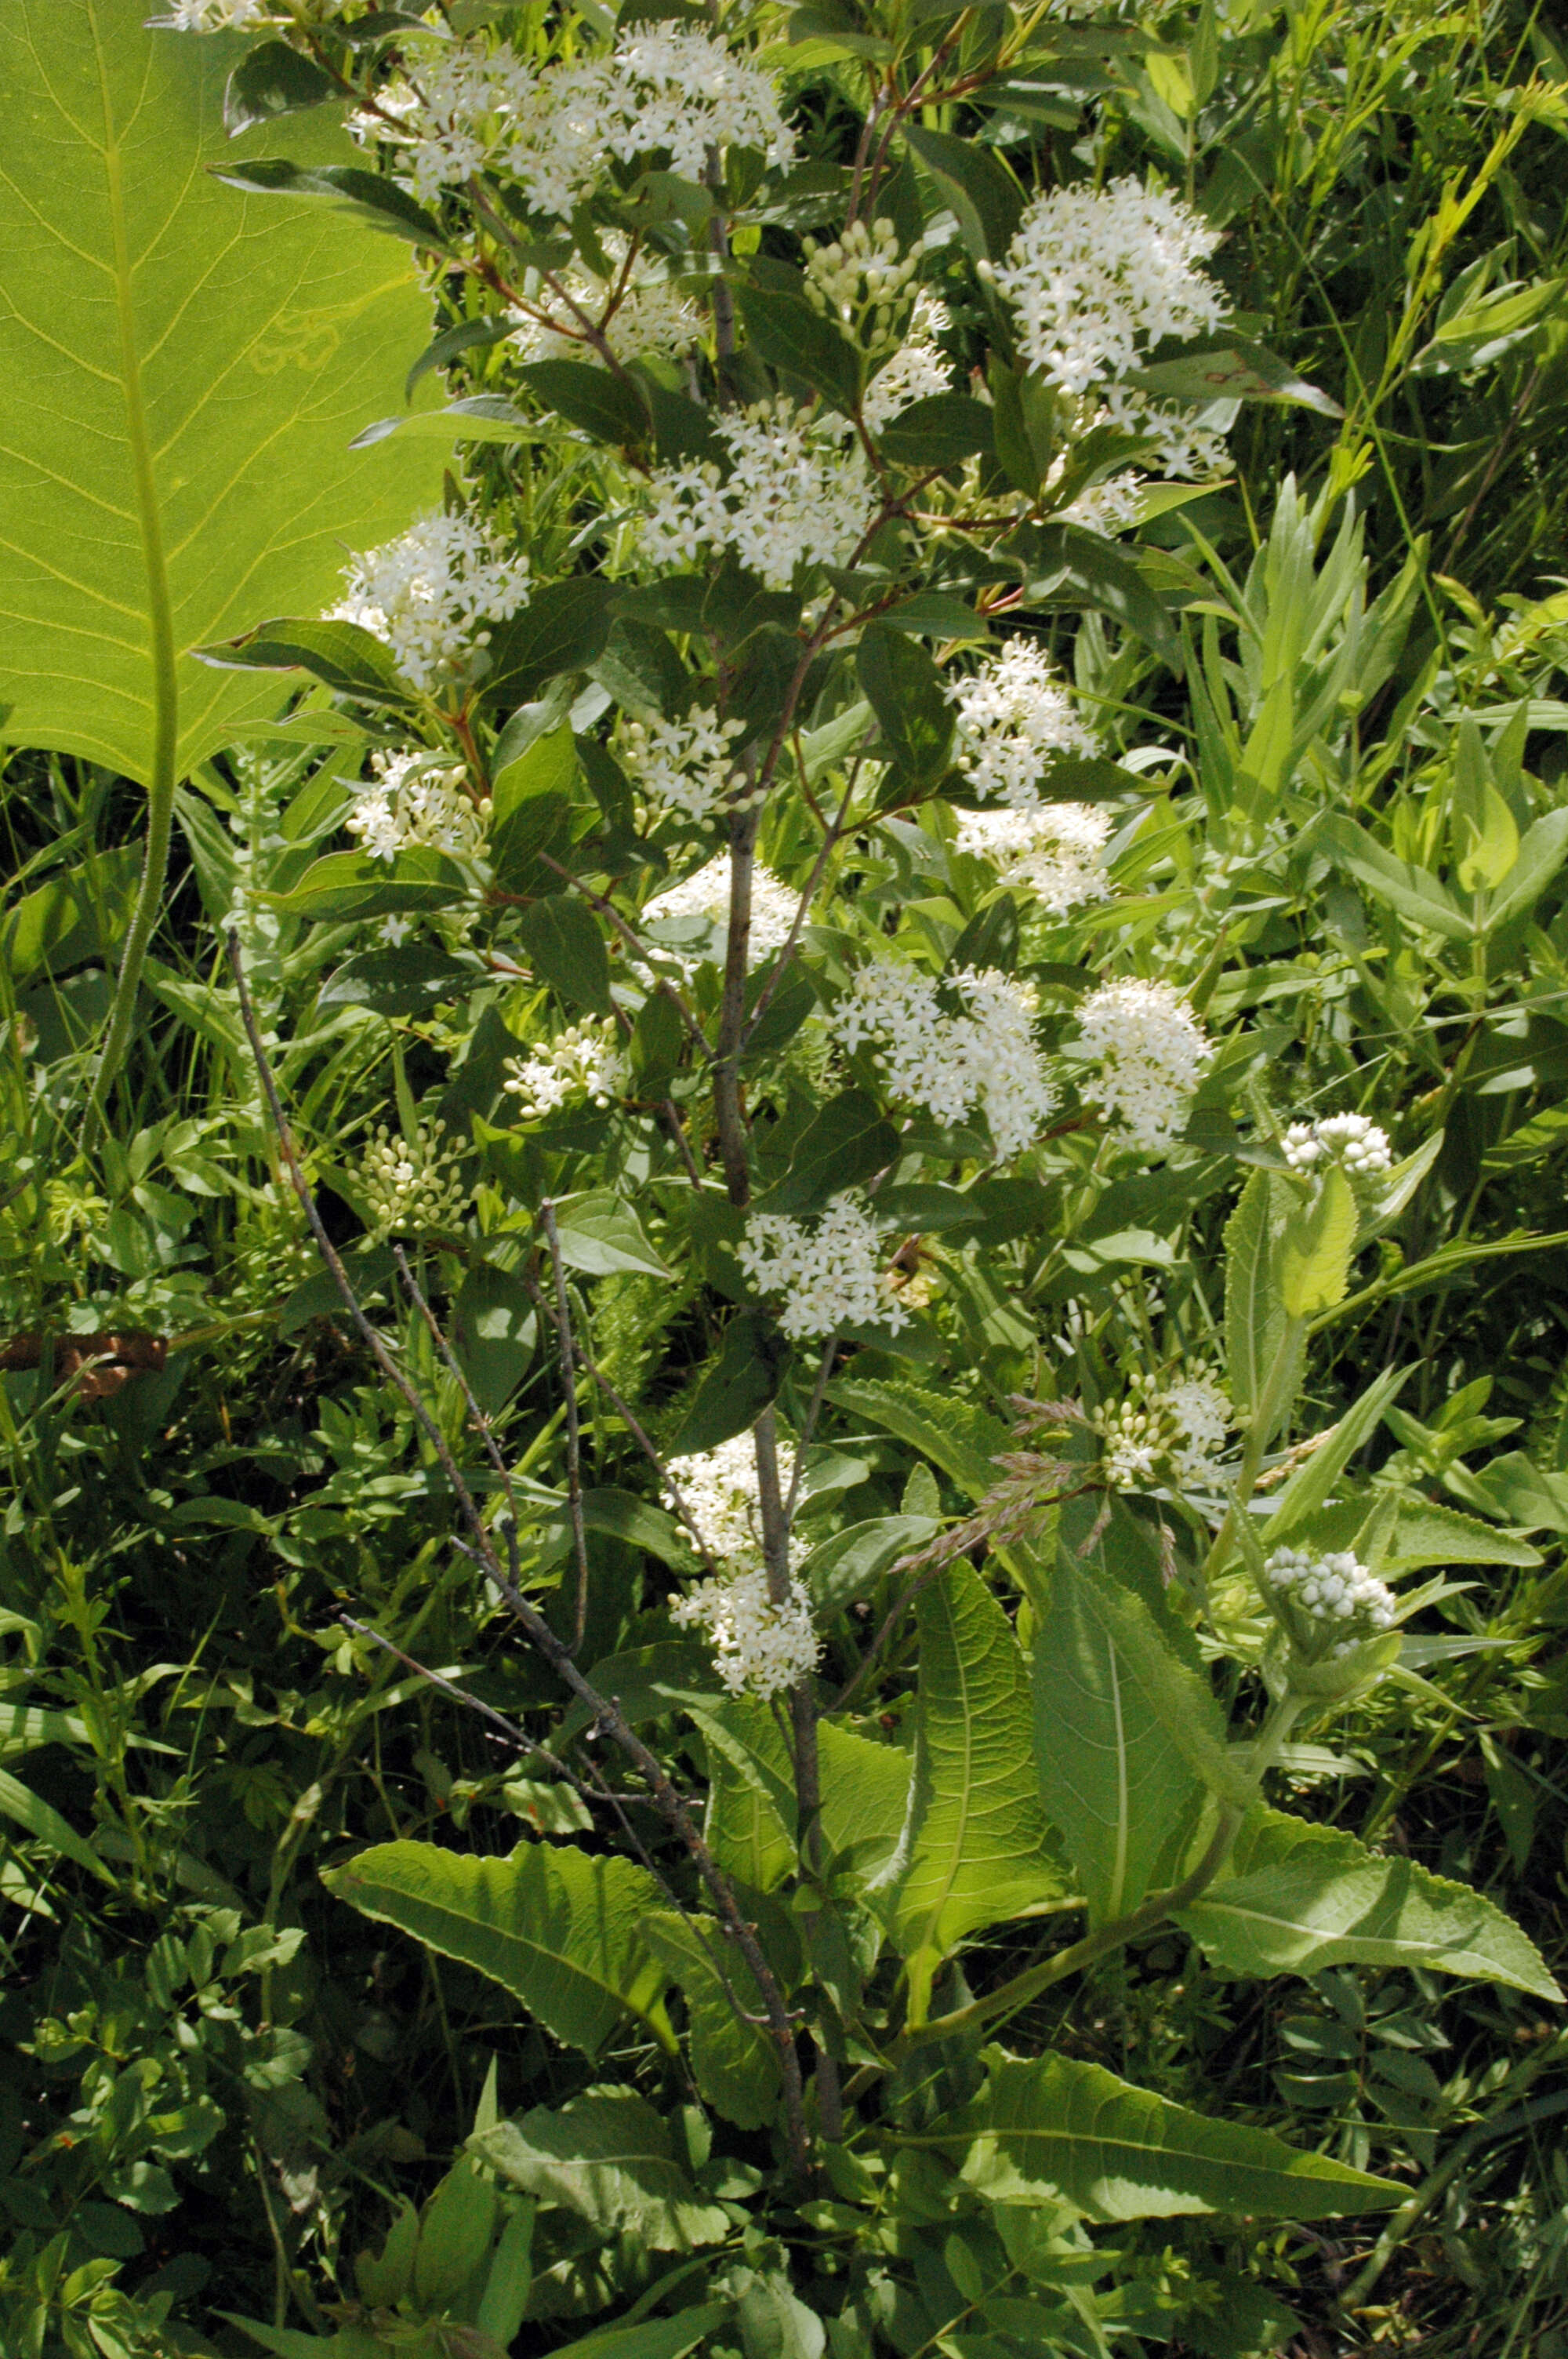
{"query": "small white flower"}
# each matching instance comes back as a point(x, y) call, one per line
point(1151, 1050)
point(1013, 714)
point(1172, 1436)
point(828, 1271)
point(583, 1062)
point(1203, 1416)
point(1054, 850)
point(410, 799)
point(426, 595)
point(215, 15)
point(722, 1495)
point(706, 895)
point(1341, 1601)
point(1098, 275)
point(552, 128)
point(687, 763)
point(760, 1648)
point(984, 1060)
point(1352, 1140)
point(796, 493)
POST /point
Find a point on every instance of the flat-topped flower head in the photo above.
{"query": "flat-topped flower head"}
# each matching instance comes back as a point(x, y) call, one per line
point(411, 798)
point(720, 1491)
point(797, 492)
point(582, 1062)
point(428, 594)
point(687, 764)
point(1337, 1604)
point(466, 107)
point(984, 1061)
point(761, 1646)
point(826, 1273)
point(1053, 850)
point(1151, 1050)
point(1013, 714)
point(1352, 1140)
point(1098, 275)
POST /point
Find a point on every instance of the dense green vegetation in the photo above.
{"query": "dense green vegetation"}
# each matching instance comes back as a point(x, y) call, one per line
point(1083, 1956)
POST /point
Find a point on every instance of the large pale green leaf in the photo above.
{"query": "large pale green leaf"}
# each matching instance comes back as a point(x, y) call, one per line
point(1299, 1898)
point(184, 368)
point(609, 2157)
point(1112, 1776)
point(1055, 2127)
point(733, 2061)
point(865, 1795)
point(751, 1796)
point(1254, 1309)
point(559, 1929)
point(975, 1849)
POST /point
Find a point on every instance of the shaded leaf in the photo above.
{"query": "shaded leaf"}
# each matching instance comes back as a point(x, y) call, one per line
point(609, 2157)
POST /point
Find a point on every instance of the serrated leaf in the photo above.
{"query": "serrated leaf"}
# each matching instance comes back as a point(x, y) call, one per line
point(1254, 1313)
point(954, 1435)
point(1112, 1776)
point(559, 1929)
point(734, 2062)
point(611, 2158)
point(975, 1850)
point(1316, 1247)
point(865, 1796)
point(185, 368)
point(1299, 1898)
point(751, 1796)
point(1058, 2129)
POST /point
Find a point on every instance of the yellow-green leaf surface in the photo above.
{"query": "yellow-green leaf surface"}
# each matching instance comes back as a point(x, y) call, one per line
point(1057, 2128)
point(559, 1929)
point(733, 2061)
point(1299, 1898)
point(184, 367)
point(1112, 1776)
point(975, 1850)
point(609, 2157)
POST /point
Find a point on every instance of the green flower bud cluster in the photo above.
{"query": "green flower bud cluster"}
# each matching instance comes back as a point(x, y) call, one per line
point(863, 285)
point(409, 1184)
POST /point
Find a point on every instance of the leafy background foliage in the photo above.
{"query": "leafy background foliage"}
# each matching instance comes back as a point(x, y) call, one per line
point(226, 2075)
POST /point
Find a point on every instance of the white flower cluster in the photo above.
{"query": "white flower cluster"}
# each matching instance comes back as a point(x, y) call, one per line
point(424, 594)
point(1352, 1140)
point(1151, 1050)
point(1012, 715)
point(861, 283)
point(583, 1062)
point(706, 895)
point(1334, 1592)
point(1204, 1415)
point(1055, 850)
point(722, 1493)
point(918, 368)
point(215, 15)
point(410, 1184)
point(411, 799)
point(951, 1065)
point(466, 108)
point(685, 762)
point(796, 493)
point(1174, 1435)
point(1096, 276)
point(636, 310)
point(828, 1270)
point(760, 1648)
